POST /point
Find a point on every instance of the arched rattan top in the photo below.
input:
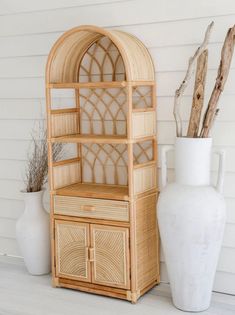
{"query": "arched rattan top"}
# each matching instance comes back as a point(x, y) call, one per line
point(66, 55)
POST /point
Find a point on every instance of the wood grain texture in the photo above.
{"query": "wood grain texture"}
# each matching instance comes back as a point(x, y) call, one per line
point(95, 191)
point(198, 95)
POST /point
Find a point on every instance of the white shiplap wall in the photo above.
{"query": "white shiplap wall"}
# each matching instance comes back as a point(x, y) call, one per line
point(170, 29)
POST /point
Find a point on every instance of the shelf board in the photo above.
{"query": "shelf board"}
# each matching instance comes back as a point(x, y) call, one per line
point(77, 85)
point(78, 138)
point(100, 191)
point(104, 84)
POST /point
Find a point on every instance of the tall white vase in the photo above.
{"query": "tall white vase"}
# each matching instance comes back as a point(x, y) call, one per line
point(191, 216)
point(33, 235)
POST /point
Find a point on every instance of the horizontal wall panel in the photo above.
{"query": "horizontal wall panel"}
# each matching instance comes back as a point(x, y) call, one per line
point(10, 189)
point(9, 246)
point(12, 169)
point(20, 67)
point(168, 82)
point(223, 133)
point(22, 109)
point(158, 35)
point(14, 149)
point(16, 6)
point(37, 44)
point(166, 104)
point(7, 228)
point(19, 129)
point(174, 32)
point(109, 14)
point(11, 209)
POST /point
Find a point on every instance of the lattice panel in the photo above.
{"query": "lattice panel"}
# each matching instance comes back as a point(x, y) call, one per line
point(102, 62)
point(71, 249)
point(103, 111)
point(142, 97)
point(143, 152)
point(110, 263)
point(104, 164)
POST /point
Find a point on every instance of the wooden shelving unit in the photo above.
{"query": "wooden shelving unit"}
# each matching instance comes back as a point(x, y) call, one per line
point(101, 107)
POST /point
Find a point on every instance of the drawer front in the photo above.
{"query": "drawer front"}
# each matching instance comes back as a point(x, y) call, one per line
point(92, 208)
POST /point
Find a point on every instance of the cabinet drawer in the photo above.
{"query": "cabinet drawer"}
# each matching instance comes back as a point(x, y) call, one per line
point(92, 208)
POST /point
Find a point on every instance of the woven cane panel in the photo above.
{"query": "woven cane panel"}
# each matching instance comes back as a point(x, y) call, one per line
point(142, 97)
point(143, 152)
point(103, 111)
point(104, 164)
point(67, 174)
point(145, 179)
point(143, 124)
point(71, 244)
point(102, 62)
point(92, 208)
point(110, 261)
point(147, 241)
point(63, 124)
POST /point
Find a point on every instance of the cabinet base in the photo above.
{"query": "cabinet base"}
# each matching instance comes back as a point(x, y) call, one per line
point(104, 290)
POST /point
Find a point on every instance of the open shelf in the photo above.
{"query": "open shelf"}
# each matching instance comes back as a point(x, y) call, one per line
point(78, 138)
point(100, 191)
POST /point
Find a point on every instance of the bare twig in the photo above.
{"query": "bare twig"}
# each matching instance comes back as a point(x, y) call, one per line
point(37, 166)
point(223, 71)
point(198, 95)
point(179, 92)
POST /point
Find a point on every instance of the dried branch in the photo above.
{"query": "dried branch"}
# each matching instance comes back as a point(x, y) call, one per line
point(198, 95)
point(179, 92)
point(223, 71)
point(37, 166)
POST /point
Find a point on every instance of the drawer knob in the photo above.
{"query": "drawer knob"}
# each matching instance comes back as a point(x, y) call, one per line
point(88, 208)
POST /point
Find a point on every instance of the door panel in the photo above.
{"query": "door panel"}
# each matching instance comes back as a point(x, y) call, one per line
point(71, 248)
point(110, 256)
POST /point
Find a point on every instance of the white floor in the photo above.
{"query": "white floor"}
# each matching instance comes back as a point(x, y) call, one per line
point(22, 294)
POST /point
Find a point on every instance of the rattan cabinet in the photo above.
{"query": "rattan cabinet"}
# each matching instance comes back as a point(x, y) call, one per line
point(100, 93)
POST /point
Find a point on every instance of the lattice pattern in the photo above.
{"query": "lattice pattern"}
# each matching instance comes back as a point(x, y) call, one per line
point(104, 163)
point(142, 97)
point(143, 152)
point(71, 244)
point(109, 256)
point(102, 62)
point(103, 111)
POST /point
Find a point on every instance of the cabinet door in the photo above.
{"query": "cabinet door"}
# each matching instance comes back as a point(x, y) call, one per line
point(71, 249)
point(110, 256)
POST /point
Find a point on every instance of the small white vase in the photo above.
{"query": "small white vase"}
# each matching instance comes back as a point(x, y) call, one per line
point(33, 234)
point(191, 216)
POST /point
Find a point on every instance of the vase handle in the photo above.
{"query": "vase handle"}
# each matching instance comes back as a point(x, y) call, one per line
point(221, 170)
point(165, 149)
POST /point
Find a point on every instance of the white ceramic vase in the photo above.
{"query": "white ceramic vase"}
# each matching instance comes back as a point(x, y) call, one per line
point(33, 234)
point(191, 216)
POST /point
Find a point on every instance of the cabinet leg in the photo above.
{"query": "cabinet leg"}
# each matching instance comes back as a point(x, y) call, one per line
point(55, 282)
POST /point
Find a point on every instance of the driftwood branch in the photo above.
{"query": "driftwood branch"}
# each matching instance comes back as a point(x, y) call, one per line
point(179, 92)
point(198, 95)
point(223, 71)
